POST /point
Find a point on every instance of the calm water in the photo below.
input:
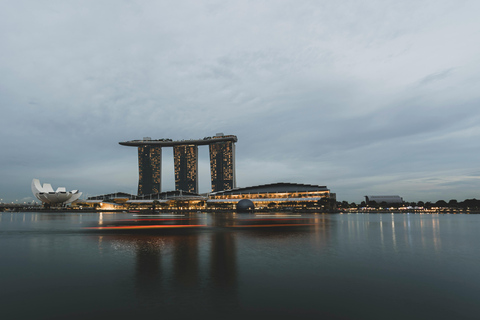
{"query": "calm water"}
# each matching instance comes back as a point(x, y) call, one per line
point(337, 266)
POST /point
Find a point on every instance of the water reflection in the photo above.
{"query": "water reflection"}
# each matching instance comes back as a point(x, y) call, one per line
point(243, 265)
point(173, 268)
point(148, 266)
point(185, 261)
point(223, 270)
point(394, 232)
point(196, 265)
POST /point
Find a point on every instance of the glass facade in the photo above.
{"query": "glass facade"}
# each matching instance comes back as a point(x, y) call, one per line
point(222, 165)
point(186, 167)
point(149, 169)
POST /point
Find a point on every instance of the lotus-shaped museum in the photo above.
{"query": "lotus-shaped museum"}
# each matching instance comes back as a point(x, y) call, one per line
point(46, 194)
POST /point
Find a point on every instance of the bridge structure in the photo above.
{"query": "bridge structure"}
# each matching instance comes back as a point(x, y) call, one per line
point(185, 154)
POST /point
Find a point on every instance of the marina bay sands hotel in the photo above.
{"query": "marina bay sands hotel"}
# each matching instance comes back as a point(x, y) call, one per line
point(185, 154)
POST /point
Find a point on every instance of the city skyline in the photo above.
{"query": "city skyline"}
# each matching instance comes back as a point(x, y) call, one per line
point(377, 97)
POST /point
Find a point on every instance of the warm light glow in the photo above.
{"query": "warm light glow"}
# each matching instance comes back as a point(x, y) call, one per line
point(150, 227)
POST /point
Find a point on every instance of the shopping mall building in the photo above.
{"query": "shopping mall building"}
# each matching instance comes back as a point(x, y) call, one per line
point(275, 196)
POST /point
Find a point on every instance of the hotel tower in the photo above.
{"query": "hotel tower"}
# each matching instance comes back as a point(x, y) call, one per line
point(185, 153)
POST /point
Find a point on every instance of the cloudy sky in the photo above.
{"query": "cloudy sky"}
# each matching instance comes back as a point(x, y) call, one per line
point(366, 97)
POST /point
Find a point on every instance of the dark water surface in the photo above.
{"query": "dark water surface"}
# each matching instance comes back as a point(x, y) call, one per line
point(331, 266)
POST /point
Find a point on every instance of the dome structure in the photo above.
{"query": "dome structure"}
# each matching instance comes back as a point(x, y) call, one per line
point(245, 205)
point(46, 194)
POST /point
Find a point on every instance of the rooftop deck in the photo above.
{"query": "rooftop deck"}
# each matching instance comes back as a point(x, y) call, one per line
point(171, 143)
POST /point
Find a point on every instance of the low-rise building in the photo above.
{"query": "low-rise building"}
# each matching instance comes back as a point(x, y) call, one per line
point(276, 196)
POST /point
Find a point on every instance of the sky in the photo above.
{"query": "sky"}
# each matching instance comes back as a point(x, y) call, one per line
point(364, 97)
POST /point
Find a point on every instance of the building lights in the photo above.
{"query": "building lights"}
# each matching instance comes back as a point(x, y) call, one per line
point(186, 167)
point(222, 163)
point(149, 169)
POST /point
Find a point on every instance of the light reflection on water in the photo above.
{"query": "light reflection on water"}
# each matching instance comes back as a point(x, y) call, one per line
point(359, 266)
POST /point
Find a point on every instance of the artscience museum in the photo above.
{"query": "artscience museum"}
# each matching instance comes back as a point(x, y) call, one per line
point(47, 195)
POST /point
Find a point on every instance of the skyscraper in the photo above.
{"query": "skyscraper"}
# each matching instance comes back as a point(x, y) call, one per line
point(222, 165)
point(149, 169)
point(185, 152)
point(186, 167)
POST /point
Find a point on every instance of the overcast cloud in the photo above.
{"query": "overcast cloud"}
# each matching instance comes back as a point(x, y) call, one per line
point(365, 97)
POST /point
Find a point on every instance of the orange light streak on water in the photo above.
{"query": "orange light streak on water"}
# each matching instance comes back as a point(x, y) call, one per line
point(150, 227)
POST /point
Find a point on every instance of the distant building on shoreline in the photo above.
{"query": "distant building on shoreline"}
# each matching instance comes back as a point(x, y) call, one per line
point(48, 196)
point(277, 195)
point(274, 196)
point(185, 153)
point(224, 194)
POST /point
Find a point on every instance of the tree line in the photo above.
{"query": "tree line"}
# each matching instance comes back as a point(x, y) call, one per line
point(472, 204)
